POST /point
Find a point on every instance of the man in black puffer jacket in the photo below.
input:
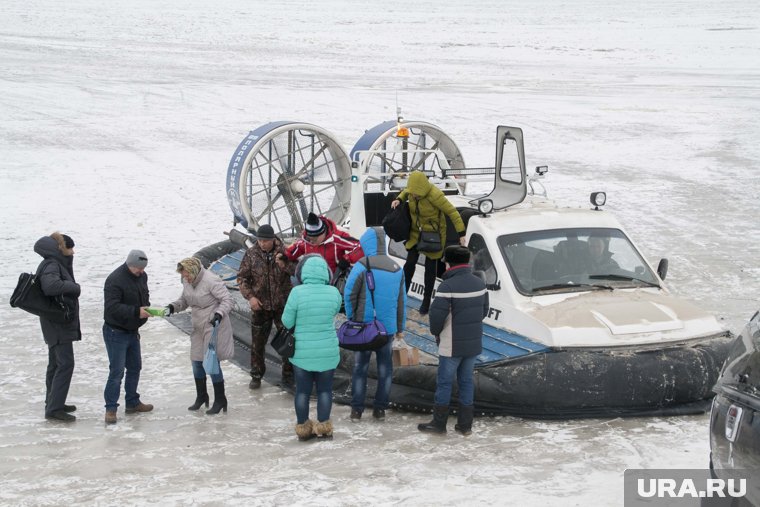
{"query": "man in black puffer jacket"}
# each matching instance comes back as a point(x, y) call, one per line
point(456, 320)
point(56, 276)
point(126, 299)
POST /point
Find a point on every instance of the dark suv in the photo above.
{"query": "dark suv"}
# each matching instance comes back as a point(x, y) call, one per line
point(735, 416)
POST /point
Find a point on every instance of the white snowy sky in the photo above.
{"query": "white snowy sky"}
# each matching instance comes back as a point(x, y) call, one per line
point(117, 123)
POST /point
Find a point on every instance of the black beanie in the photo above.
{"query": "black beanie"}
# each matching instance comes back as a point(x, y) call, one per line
point(67, 241)
point(266, 231)
point(314, 225)
point(455, 255)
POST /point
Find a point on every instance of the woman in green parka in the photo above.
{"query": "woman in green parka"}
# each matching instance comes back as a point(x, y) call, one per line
point(428, 207)
point(310, 311)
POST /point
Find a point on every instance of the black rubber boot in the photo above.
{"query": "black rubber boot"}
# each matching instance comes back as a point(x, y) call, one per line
point(410, 266)
point(430, 273)
point(438, 424)
point(425, 306)
point(61, 415)
point(464, 420)
point(201, 397)
point(220, 401)
point(288, 378)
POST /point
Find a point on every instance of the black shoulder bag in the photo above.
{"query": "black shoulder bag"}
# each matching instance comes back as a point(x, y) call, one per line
point(429, 241)
point(29, 297)
point(284, 342)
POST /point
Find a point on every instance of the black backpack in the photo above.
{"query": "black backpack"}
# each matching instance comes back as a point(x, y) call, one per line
point(397, 223)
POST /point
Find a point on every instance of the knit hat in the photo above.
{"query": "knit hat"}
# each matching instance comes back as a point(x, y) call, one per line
point(190, 265)
point(68, 242)
point(314, 225)
point(455, 255)
point(137, 259)
point(265, 232)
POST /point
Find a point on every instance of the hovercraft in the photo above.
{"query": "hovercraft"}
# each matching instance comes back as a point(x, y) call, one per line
point(563, 338)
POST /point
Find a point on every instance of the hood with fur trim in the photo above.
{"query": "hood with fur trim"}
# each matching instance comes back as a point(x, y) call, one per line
point(52, 247)
point(49, 247)
point(60, 239)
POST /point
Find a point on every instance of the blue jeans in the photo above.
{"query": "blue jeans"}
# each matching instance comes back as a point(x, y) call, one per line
point(123, 353)
point(384, 358)
point(305, 380)
point(200, 373)
point(463, 368)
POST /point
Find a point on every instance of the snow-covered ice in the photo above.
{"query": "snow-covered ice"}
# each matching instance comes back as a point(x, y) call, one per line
point(117, 121)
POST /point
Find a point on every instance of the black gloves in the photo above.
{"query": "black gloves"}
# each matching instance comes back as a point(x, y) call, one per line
point(216, 320)
point(343, 264)
point(168, 310)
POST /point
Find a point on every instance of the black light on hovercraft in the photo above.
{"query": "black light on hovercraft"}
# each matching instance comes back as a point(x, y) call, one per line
point(485, 206)
point(598, 199)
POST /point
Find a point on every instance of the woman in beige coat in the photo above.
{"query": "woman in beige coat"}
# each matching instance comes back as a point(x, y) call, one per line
point(210, 301)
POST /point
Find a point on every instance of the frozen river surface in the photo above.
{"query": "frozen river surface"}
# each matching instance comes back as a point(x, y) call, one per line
point(118, 121)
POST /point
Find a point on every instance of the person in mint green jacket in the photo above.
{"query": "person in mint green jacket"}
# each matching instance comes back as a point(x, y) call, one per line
point(310, 311)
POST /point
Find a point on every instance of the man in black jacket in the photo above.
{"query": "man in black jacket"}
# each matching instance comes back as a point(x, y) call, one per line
point(456, 320)
point(56, 277)
point(126, 299)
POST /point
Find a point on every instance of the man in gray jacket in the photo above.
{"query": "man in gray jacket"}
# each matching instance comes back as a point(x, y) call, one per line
point(456, 320)
point(56, 278)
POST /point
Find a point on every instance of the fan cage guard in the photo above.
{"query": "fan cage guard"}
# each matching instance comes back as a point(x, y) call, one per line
point(400, 155)
point(288, 171)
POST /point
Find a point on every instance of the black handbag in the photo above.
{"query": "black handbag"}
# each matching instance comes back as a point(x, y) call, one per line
point(429, 241)
point(397, 223)
point(338, 281)
point(29, 297)
point(284, 342)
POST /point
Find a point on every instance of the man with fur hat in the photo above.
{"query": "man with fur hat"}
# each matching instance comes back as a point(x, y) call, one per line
point(322, 236)
point(126, 298)
point(265, 284)
point(456, 321)
point(56, 278)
